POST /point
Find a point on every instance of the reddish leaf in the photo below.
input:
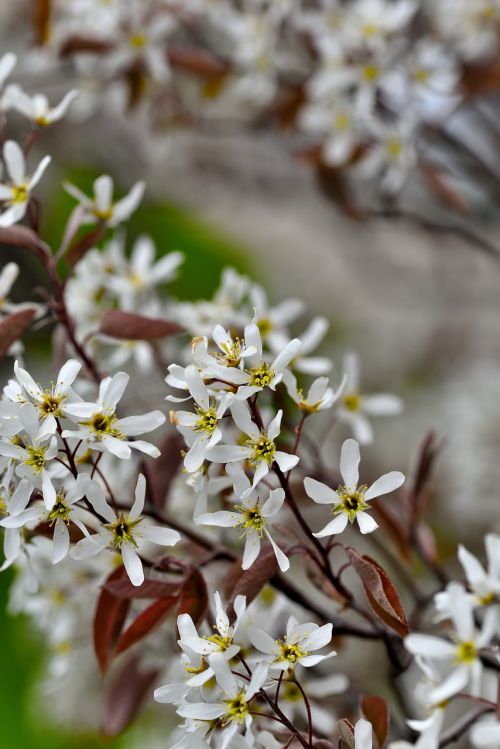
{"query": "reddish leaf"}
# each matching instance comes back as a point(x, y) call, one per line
point(149, 588)
point(196, 61)
point(251, 582)
point(12, 328)
point(380, 591)
point(22, 236)
point(417, 495)
point(89, 240)
point(109, 620)
point(125, 696)
point(376, 712)
point(161, 471)
point(480, 79)
point(442, 188)
point(79, 44)
point(133, 327)
point(193, 599)
point(334, 185)
point(147, 621)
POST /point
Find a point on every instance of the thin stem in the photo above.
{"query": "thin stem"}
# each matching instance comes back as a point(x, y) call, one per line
point(308, 710)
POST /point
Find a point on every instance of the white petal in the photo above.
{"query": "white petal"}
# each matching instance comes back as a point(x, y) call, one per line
point(363, 734)
point(366, 523)
point(38, 173)
point(222, 518)
point(286, 461)
point(243, 420)
point(429, 646)
point(262, 641)
point(61, 541)
point(197, 387)
point(337, 525)
point(89, 547)
point(281, 557)
point(389, 482)
point(274, 427)
point(349, 463)
point(116, 447)
point(140, 495)
point(14, 160)
point(382, 404)
point(461, 611)
point(126, 206)
point(274, 504)
point(133, 565)
point(161, 536)
point(319, 492)
point(103, 191)
point(453, 684)
point(114, 389)
point(252, 549)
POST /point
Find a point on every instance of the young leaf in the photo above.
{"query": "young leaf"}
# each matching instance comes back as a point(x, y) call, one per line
point(84, 244)
point(147, 621)
point(149, 588)
point(127, 691)
point(346, 732)
point(193, 599)
point(380, 591)
point(22, 236)
point(12, 328)
point(133, 327)
point(109, 620)
point(161, 471)
point(376, 712)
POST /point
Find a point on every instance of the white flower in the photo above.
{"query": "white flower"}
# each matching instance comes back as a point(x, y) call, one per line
point(124, 532)
point(37, 448)
point(319, 396)
point(486, 734)
point(484, 584)
point(142, 273)
point(463, 655)
point(251, 517)
point(355, 406)
point(36, 108)
point(201, 429)
point(8, 276)
point(391, 155)
point(49, 402)
point(232, 711)
point(350, 501)
point(101, 207)
point(101, 429)
point(272, 321)
point(60, 516)
point(335, 119)
point(260, 449)
point(15, 194)
point(296, 646)
point(220, 642)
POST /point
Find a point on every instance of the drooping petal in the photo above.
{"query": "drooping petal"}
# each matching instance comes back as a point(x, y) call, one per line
point(140, 495)
point(61, 541)
point(337, 525)
point(133, 565)
point(89, 546)
point(366, 523)
point(281, 557)
point(252, 549)
point(363, 734)
point(285, 461)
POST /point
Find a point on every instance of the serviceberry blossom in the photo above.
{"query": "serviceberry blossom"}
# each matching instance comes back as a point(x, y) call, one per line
point(259, 448)
point(101, 207)
point(36, 108)
point(100, 428)
point(16, 193)
point(297, 646)
point(350, 500)
point(319, 396)
point(251, 517)
point(124, 532)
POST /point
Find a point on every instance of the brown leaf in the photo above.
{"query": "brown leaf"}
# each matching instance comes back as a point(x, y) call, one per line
point(149, 589)
point(440, 185)
point(133, 327)
point(376, 712)
point(22, 236)
point(161, 471)
point(251, 582)
point(78, 44)
point(125, 696)
point(334, 185)
point(85, 243)
point(417, 495)
point(479, 79)
point(12, 328)
point(380, 591)
point(147, 621)
point(196, 61)
point(193, 599)
point(41, 18)
point(109, 620)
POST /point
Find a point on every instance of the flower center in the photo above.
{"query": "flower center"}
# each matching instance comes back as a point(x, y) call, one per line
point(60, 510)
point(102, 424)
point(104, 215)
point(263, 449)
point(261, 376)
point(230, 353)
point(123, 531)
point(487, 599)
point(19, 194)
point(352, 401)
point(138, 41)
point(370, 72)
point(466, 652)
point(51, 404)
point(351, 502)
point(207, 421)
point(290, 652)
point(265, 326)
point(237, 709)
point(222, 641)
point(251, 518)
point(36, 458)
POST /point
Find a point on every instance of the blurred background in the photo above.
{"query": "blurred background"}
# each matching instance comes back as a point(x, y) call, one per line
point(417, 295)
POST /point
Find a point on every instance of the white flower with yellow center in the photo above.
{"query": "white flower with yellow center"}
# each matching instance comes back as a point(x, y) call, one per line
point(296, 647)
point(259, 449)
point(355, 407)
point(200, 429)
point(36, 107)
point(62, 514)
point(350, 501)
point(15, 194)
point(50, 402)
point(32, 449)
point(221, 641)
point(124, 532)
point(101, 207)
point(251, 517)
point(462, 657)
point(319, 396)
point(102, 430)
